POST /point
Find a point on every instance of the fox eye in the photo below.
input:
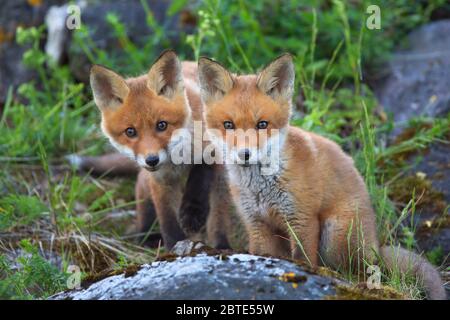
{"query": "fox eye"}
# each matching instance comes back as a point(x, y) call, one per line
point(228, 125)
point(262, 125)
point(161, 126)
point(131, 132)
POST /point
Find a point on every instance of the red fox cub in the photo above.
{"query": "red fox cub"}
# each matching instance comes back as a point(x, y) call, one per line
point(313, 204)
point(141, 116)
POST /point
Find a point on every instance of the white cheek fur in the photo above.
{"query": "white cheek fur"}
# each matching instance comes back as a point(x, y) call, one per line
point(162, 154)
point(121, 148)
point(141, 160)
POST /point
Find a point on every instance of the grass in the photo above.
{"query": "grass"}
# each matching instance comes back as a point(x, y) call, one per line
point(46, 206)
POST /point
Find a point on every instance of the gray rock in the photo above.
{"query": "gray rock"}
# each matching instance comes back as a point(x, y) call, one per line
point(14, 13)
point(418, 80)
point(185, 247)
point(238, 276)
point(12, 71)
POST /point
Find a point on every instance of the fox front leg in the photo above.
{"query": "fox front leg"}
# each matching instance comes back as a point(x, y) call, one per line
point(166, 199)
point(219, 215)
point(145, 211)
point(195, 205)
point(304, 235)
point(259, 238)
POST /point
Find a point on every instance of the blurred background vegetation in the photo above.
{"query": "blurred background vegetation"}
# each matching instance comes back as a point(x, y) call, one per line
point(46, 208)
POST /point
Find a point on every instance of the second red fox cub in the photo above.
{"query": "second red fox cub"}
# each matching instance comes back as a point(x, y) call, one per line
point(141, 117)
point(315, 205)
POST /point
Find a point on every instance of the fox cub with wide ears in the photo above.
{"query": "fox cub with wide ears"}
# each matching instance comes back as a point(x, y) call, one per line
point(312, 204)
point(142, 118)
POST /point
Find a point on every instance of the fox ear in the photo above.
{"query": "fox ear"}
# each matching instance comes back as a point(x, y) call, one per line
point(165, 75)
point(215, 80)
point(109, 89)
point(277, 78)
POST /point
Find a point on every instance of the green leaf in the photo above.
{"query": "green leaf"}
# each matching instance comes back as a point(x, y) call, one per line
point(176, 6)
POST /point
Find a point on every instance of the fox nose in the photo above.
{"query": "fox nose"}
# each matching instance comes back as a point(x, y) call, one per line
point(152, 160)
point(244, 154)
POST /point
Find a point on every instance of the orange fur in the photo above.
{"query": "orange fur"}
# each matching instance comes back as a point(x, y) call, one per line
point(317, 195)
point(170, 93)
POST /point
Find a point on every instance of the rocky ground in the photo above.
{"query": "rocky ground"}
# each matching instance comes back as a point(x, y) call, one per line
point(213, 275)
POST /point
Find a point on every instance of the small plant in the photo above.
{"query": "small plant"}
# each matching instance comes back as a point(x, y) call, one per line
point(31, 277)
point(436, 255)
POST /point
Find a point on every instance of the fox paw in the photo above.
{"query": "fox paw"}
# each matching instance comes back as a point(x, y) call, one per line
point(193, 219)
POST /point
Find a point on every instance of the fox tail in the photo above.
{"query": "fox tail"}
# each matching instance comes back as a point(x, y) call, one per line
point(407, 261)
point(112, 164)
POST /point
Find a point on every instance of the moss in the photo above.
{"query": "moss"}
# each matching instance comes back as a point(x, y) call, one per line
point(427, 197)
point(131, 270)
point(411, 132)
point(221, 254)
point(327, 272)
point(128, 271)
point(434, 225)
point(167, 257)
point(361, 292)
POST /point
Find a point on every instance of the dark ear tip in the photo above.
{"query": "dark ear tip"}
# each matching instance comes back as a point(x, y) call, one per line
point(98, 67)
point(287, 55)
point(168, 53)
point(203, 60)
point(94, 68)
point(167, 56)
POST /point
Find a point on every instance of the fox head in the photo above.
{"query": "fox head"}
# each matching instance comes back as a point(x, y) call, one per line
point(247, 116)
point(140, 114)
